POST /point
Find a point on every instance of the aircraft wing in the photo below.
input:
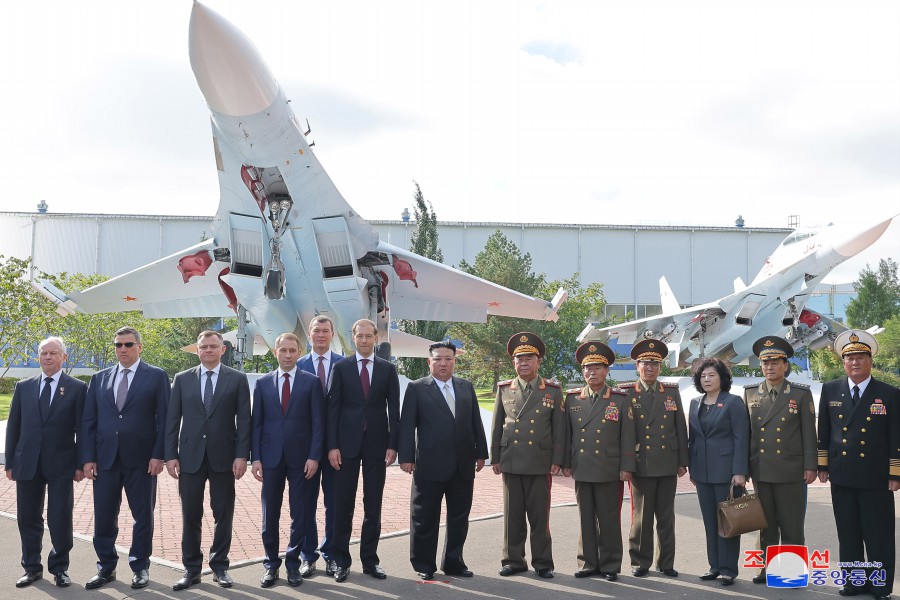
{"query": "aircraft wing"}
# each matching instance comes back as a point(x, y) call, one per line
point(670, 328)
point(185, 284)
point(423, 289)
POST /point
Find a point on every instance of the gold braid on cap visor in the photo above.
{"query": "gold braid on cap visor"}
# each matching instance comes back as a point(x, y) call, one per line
point(525, 349)
point(592, 359)
point(855, 348)
point(770, 354)
point(650, 356)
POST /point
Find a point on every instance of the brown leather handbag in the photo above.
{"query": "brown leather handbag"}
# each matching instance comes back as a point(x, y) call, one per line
point(740, 515)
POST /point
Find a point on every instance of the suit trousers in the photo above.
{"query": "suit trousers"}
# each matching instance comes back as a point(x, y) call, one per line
point(272, 498)
point(29, 511)
point(425, 517)
point(191, 488)
point(140, 489)
point(785, 508)
point(311, 547)
point(346, 483)
point(600, 540)
point(526, 496)
point(722, 553)
point(865, 528)
point(652, 497)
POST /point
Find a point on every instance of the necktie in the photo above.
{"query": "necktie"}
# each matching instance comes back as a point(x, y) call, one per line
point(364, 377)
point(208, 392)
point(122, 390)
point(855, 396)
point(45, 398)
point(320, 371)
point(285, 393)
point(773, 394)
point(448, 395)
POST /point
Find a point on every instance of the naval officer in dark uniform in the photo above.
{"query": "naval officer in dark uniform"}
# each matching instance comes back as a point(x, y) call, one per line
point(662, 458)
point(859, 452)
point(782, 445)
point(527, 438)
point(600, 456)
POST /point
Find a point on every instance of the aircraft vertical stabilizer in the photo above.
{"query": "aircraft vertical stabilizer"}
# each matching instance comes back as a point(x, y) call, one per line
point(667, 297)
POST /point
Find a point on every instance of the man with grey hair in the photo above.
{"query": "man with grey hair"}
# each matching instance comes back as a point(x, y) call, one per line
point(42, 437)
point(124, 429)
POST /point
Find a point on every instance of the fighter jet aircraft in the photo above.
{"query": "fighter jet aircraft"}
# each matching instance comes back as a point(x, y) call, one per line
point(773, 304)
point(286, 246)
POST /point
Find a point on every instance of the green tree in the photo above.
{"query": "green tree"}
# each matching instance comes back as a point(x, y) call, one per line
point(889, 345)
point(424, 242)
point(877, 296)
point(20, 307)
point(485, 356)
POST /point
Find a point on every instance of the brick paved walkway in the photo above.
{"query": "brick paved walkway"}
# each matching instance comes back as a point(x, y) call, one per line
point(247, 544)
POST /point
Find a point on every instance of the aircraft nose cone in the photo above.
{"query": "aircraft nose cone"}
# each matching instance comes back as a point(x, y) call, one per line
point(855, 243)
point(232, 75)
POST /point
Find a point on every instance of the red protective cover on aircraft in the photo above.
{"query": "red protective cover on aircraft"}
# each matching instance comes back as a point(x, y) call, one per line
point(194, 264)
point(809, 318)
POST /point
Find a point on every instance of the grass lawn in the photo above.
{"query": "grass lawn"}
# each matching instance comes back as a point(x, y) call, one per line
point(5, 400)
point(485, 398)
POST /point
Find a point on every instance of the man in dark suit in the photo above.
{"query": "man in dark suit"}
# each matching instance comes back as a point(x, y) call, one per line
point(124, 429)
point(207, 439)
point(442, 413)
point(42, 437)
point(859, 452)
point(288, 443)
point(319, 362)
point(363, 425)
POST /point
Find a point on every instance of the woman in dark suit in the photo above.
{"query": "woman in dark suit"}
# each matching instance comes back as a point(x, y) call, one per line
point(719, 451)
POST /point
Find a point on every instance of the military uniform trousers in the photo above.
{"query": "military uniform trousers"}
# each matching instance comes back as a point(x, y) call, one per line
point(865, 528)
point(599, 510)
point(785, 508)
point(526, 496)
point(652, 497)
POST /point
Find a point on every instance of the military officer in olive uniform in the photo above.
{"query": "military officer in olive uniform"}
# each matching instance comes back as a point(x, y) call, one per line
point(859, 452)
point(527, 445)
point(662, 458)
point(782, 445)
point(600, 441)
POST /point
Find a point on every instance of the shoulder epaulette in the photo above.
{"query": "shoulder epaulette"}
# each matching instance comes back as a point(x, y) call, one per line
point(505, 383)
point(753, 385)
point(616, 390)
point(670, 385)
point(802, 386)
point(552, 383)
point(626, 384)
point(574, 391)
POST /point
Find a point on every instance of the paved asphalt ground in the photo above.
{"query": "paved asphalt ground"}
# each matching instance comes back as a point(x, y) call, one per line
point(482, 555)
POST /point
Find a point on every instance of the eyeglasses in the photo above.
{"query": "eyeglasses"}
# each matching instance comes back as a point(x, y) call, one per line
point(126, 344)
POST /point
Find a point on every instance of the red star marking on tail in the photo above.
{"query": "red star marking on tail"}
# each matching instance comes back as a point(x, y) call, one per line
point(494, 304)
point(129, 299)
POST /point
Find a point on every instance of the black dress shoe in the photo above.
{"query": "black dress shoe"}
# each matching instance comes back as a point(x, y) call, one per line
point(640, 572)
point(223, 579)
point(100, 579)
point(848, 591)
point(425, 575)
point(269, 578)
point(545, 573)
point(760, 578)
point(28, 578)
point(609, 576)
point(878, 595)
point(307, 569)
point(341, 573)
point(186, 581)
point(62, 579)
point(376, 572)
point(330, 567)
point(726, 580)
point(463, 573)
point(294, 578)
point(670, 572)
point(507, 570)
point(582, 573)
point(140, 579)
point(710, 575)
